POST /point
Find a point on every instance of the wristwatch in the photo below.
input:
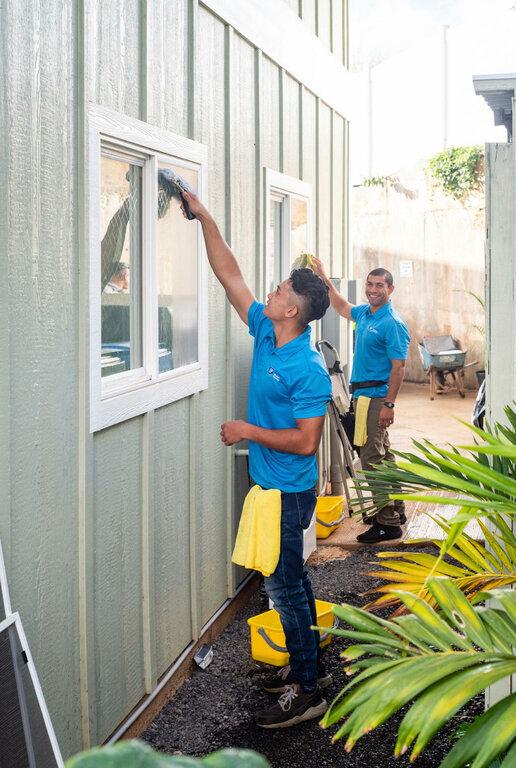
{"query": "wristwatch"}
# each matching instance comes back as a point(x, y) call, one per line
point(388, 404)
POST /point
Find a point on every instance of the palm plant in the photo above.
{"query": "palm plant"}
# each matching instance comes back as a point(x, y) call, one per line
point(480, 479)
point(435, 660)
point(446, 648)
point(475, 568)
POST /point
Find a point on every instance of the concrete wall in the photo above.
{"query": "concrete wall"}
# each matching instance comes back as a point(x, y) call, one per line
point(421, 101)
point(411, 220)
point(118, 543)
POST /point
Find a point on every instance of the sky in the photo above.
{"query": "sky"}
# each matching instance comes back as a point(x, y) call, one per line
point(382, 28)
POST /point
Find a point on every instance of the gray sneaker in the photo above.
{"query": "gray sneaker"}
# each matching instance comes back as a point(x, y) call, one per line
point(293, 706)
point(279, 682)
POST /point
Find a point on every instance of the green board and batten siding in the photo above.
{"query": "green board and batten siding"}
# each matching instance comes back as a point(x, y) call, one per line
point(117, 543)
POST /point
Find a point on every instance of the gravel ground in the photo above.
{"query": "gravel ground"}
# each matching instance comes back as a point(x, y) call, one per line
point(213, 709)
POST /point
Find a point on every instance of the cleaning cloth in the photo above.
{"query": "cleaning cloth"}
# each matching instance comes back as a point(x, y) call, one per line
point(361, 409)
point(257, 544)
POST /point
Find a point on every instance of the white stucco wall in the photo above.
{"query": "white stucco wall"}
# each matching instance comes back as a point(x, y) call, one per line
point(421, 101)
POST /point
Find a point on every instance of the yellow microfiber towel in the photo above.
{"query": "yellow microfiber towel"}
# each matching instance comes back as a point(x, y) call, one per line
point(361, 409)
point(257, 544)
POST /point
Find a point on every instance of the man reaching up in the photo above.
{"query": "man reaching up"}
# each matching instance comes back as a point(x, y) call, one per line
point(381, 347)
point(289, 390)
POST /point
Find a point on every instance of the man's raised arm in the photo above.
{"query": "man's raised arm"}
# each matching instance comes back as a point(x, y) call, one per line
point(222, 259)
point(337, 300)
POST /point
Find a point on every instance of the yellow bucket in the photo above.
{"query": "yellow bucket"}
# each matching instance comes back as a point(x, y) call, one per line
point(268, 638)
point(329, 514)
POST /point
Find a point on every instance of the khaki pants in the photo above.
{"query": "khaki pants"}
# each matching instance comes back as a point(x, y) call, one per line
point(376, 450)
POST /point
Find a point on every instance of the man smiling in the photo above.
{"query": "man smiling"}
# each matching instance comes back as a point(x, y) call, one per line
point(289, 390)
point(381, 346)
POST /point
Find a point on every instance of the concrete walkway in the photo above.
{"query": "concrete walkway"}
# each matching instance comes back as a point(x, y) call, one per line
point(419, 418)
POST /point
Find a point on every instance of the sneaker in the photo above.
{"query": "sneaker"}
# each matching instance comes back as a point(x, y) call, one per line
point(293, 706)
point(278, 683)
point(378, 533)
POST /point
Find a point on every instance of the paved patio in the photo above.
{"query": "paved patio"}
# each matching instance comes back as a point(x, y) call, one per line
point(419, 418)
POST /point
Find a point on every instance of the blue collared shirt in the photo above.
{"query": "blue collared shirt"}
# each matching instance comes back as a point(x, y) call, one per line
point(287, 383)
point(380, 337)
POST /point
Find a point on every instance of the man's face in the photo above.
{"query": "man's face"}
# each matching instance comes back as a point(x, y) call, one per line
point(280, 303)
point(126, 276)
point(377, 290)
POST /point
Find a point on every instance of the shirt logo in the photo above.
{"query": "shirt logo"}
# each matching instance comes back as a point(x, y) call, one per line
point(274, 375)
point(372, 329)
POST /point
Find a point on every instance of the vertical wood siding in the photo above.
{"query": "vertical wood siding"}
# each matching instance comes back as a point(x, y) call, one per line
point(39, 278)
point(172, 559)
point(337, 208)
point(116, 50)
point(210, 502)
point(117, 569)
point(324, 175)
point(270, 115)
point(167, 82)
point(291, 126)
point(151, 504)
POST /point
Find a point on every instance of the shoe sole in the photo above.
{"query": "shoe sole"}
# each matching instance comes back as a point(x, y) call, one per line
point(323, 682)
point(380, 541)
point(310, 714)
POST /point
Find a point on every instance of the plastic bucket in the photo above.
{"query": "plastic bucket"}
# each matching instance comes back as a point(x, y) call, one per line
point(268, 638)
point(329, 514)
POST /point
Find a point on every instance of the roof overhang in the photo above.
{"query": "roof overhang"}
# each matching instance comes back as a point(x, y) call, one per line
point(499, 92)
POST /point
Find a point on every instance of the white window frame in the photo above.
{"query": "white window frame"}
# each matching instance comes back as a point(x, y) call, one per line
point(124, 395)
point(279, 186)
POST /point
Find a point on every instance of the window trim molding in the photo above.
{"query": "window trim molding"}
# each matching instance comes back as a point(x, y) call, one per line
point(281, 185)
point(151, 391)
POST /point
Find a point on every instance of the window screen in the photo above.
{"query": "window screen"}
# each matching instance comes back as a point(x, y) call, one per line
point(24, 736)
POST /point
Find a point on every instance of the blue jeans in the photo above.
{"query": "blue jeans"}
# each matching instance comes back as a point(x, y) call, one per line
point(290, 589)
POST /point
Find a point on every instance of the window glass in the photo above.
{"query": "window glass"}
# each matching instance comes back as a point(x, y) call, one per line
point(177, 257)
point(274, 257)
point(121, 249)
point(298, 227)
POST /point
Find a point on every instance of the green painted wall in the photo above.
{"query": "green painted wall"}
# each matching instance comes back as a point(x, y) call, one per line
point(117, 544)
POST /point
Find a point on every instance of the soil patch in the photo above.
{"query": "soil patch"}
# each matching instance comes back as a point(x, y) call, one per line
point(213, 709)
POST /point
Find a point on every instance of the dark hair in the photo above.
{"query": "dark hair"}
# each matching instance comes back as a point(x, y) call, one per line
point(381, 272)
point(314, 292)
point(120, 268)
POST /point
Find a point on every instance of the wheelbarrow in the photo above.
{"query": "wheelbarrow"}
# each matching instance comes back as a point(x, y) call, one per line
point(444, 361)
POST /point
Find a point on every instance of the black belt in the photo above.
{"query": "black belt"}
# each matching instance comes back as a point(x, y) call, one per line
point(366, 384)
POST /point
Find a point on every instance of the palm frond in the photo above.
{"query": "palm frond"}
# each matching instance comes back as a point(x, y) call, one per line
point(435, 661)
point(476, 568)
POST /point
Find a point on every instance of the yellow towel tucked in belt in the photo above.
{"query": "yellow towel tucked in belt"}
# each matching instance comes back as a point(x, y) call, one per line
point(257, 544)
point(361, 409)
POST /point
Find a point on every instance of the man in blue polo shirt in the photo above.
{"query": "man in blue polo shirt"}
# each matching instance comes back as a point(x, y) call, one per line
point(381, 346)
point(289, 390)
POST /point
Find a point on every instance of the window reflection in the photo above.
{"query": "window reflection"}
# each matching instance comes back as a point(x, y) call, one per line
point(274, 254)
point(298, 227)
point(120, 227)
point(177, 248)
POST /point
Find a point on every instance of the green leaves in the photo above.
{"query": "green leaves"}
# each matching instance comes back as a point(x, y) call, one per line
point(135, 754)
point(435, 660)
point(475, 568)
point(457, 170)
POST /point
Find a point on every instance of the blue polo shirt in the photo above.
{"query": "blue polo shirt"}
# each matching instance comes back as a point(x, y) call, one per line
point(287, 383)
point(380, 337)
